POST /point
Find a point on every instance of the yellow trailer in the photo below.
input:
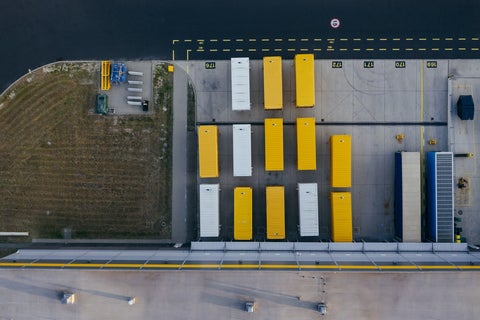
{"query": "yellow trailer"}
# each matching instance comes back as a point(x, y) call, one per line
point(306, 144)
point(208, 151)
point(273, 144)
point(242, 213)
point(106, 84)
point(341, 208)
point(341, 161)
point(272, 83)
point(305, 80)
point(275, 198)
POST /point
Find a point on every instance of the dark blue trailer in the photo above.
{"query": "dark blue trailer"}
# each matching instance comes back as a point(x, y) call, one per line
point(407, 208)
point(440, 196)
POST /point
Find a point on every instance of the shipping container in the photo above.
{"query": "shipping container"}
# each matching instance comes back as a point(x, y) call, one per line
point(273, 144)
point(242, 150)
point(308, 209)
point(407, 209)
point(208, 151)
point(306, 144)
point(341, 208)
point(440, 197)
point(272, 83)
point(340, 161)
point(209, 210)
point(305, 80)
point(242, 213)
point(240, 76)
point(275, 201)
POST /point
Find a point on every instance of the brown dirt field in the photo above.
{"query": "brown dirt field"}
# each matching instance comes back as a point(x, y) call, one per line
point(62, 166)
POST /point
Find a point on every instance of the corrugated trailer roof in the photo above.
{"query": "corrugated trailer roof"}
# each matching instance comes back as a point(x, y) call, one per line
point(208, 151)
point(242, 150)
point(305, 80)
point(341, 206)
point(209, 210)
point(341, 161)
point(308, 209)
point(240, 76)
point(274, 144)
point(275, 202)
point(272, 83)
point(242, 216)
point(306, 144)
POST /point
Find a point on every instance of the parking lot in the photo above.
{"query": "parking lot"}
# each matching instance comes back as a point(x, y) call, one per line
point(374, 105)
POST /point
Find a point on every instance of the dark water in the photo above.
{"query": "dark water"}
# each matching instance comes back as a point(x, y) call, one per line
point(35, 32)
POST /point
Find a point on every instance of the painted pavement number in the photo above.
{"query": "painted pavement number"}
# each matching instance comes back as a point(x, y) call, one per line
point(209, 65)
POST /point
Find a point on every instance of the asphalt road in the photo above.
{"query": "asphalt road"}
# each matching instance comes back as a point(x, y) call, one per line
point(33, 32)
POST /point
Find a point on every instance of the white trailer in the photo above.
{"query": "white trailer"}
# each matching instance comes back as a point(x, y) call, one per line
point(308, 209)
point(135, 73)
point(242, 150)
point(209, 210)
point(240, 76)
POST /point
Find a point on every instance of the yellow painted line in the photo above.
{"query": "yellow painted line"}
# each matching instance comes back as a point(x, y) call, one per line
point(396, 39)
point(239, 40)
point(396, 49)
point(475, 39)
point(213, 40)
point(383, 39)
point(317, 49)
point(462, 49)
point(409, 39)
point(370, 49)
point(436, 39)
point(225, 50)
point(422, 49)
point(357, 39)
point(435, 49)
point(462, 39)
point(422, 39)
point(187, 40)
point(239, 266)
point(343, 49)
point(290, 49)
point(252, 40)
point(239, 50)
point(356, 49)
point(317, 39)
point(474, 49)
point(383, 49)
point(278, 40)
point(213, 50)
point(264, 50)
point(252, 50)
point(265, 40)
point(277, 49)
point(303, 49)
point(226, 40)
point(449, 39)
point(448, 49)
point(343, 39)
point(304, 39)
point(370, 39)
point(292, 39)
